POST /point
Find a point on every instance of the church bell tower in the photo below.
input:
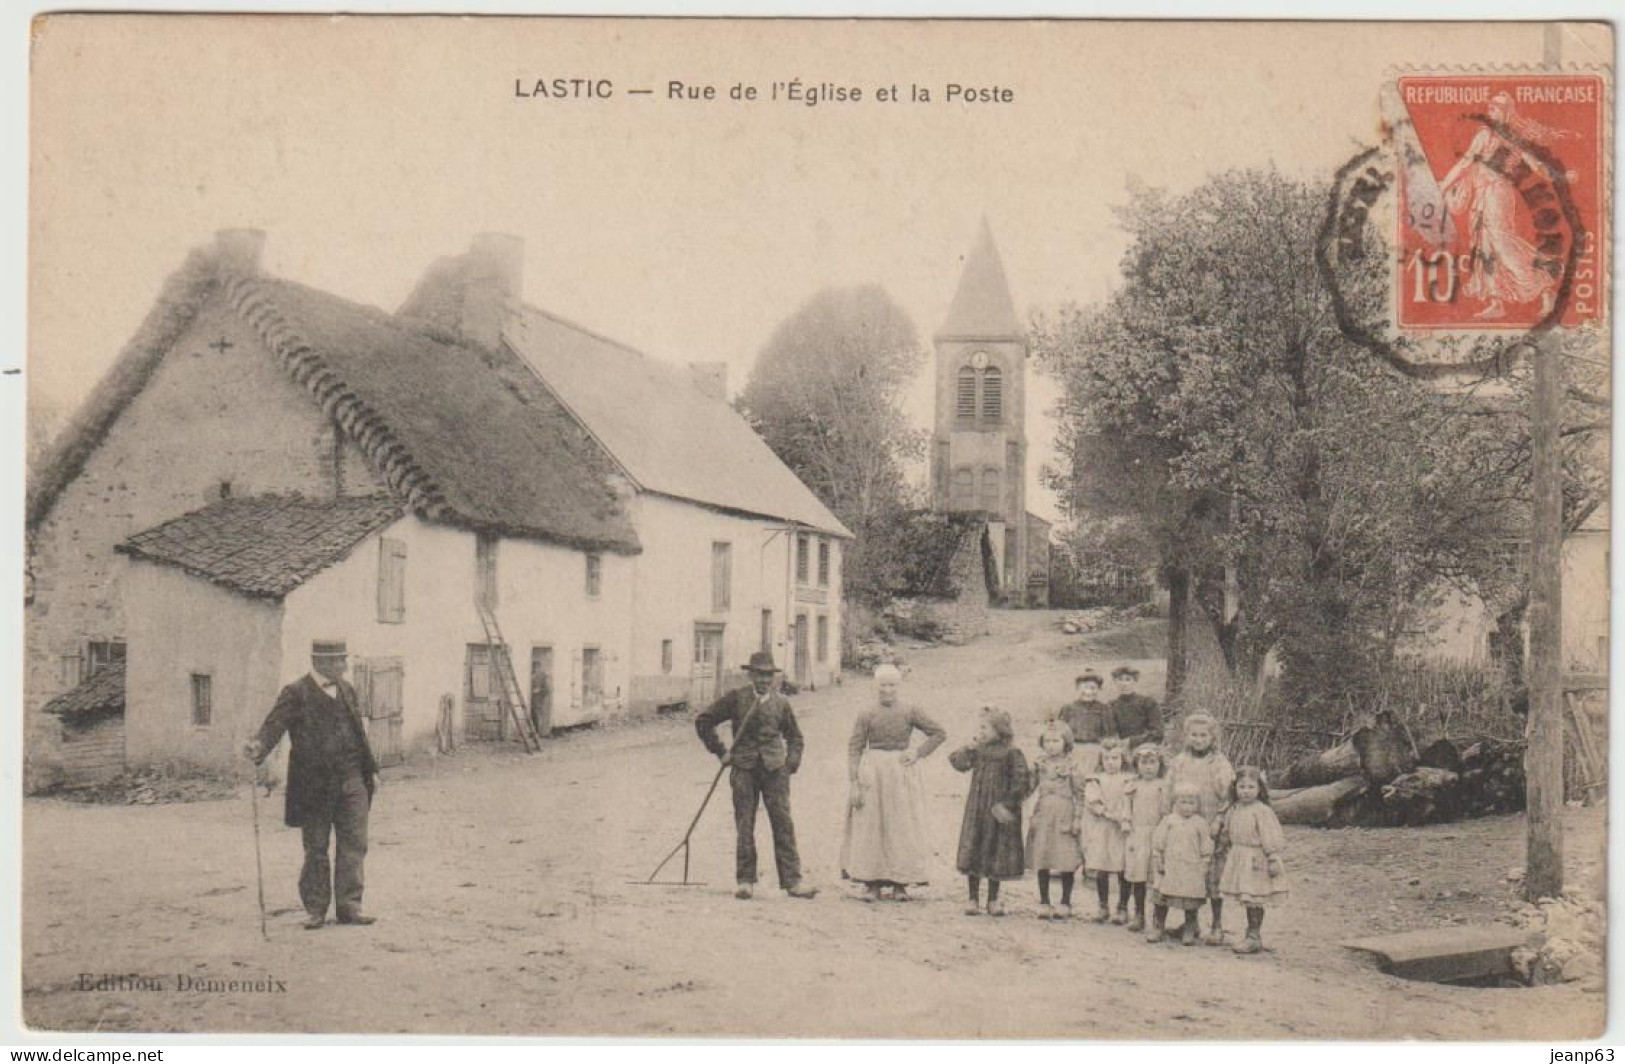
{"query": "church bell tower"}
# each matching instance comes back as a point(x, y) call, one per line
point(979, 443)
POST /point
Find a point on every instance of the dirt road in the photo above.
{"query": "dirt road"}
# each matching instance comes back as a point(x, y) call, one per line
point(502, 887)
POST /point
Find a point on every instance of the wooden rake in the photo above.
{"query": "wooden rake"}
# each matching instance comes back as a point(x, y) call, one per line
point(683, 846)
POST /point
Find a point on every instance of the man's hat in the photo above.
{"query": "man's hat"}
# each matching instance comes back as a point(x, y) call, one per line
point(329, 648)
point(761, 661)
point(1125, 672)
point(1089, 677)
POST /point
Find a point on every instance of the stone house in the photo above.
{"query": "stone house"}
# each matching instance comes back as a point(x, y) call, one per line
point(266, 464)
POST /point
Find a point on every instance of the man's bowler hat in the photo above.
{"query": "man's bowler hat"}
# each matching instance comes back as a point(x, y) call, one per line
point(761, 661)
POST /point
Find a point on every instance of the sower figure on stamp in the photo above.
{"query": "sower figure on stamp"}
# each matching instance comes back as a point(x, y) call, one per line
point(331, 780)
point(766, 752)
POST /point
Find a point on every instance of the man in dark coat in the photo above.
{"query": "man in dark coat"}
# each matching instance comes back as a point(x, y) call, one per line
point(1139, 718)
point(1090, 719)
point(331, 780)
point(766, 752)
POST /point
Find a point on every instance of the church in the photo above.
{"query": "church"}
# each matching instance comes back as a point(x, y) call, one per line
point(979, 440)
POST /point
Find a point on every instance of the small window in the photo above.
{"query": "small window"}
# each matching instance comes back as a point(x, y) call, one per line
point(823, 637)
point(101, 654)
point(392, 581)
point(721, 576)
point(963, 496)
point(595, 575)
point(992, 395)
point(801, 558)
point(592, 676)
point(965, 395)
point(202, 700)
point(665, 655)
point(823, 563)
point(71, 670)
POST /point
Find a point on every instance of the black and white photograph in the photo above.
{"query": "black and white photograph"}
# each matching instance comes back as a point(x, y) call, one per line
point(784, 528)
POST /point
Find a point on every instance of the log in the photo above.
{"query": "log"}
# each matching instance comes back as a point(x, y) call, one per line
point(1328, 766)
point(1319, 806)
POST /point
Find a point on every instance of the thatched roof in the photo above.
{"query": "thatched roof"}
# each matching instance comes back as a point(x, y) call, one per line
point(263, 546)
point(661, 429)
point(97, 697)
point(462, 435)
point(467, 435)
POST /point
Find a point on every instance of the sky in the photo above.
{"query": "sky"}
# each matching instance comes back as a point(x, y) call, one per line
point(366, 148)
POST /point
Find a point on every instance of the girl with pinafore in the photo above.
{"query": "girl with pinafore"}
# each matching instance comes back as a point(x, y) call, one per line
point(1203, 766)
point(1105, 830)
point(1181, 853)
point(1052, 837)
point(990, 834)
point(1150, 798)
point(1254, 875)
point(884, 846)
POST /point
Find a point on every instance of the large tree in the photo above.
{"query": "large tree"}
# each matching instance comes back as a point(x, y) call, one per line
point(1214, 398)
point(825, 394)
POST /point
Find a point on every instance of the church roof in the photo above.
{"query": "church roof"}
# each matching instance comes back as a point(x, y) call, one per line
point(982, 308)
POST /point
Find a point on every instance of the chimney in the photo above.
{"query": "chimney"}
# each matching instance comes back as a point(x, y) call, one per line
point(238, 250)
point(496, 268)
point(711, 378)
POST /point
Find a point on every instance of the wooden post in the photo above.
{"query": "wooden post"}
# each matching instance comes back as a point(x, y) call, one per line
point(1543, 758)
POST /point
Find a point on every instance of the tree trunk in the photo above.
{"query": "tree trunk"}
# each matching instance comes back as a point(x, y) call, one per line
point(1318, 806)
point(1179, 586)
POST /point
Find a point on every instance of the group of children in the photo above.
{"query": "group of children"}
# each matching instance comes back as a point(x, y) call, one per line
point(1182, 832)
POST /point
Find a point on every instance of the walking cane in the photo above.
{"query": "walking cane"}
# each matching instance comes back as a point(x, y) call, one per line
point(259, 864)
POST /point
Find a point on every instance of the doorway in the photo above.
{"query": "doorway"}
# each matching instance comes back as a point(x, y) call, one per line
point(541, 689)
point(705, 684)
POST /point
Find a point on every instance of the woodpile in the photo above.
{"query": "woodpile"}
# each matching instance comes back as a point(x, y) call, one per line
point(1379, 778)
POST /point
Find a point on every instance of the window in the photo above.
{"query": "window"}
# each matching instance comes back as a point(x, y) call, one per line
point(965, 395)
point(595, 575)
point(592, 676)
point(989, 498)
point(823, 563)
point(202, 700)
point(823, 637)
point(103, 653)
point(992, 395)
point(722, 576)
point(801, 558)
point(71, 670)
point(963, 496)
point(391, 581)
point(767, 632)
point(485, 570)
point(665, 655)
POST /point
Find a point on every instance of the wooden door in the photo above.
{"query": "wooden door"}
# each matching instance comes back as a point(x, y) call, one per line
point(803, 645)
point(541, 689)
point(482, 702)
point(380, 687)
point(706, 678)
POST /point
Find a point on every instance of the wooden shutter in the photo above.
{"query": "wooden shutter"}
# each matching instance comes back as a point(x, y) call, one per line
point(721, 576)
point(965, 397)
point(391, 581)
point(992, 394)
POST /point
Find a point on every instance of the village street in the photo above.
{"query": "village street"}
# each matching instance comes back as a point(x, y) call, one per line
point(501, 883)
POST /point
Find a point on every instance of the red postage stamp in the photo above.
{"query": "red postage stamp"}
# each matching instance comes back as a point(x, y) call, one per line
point(1502, 201)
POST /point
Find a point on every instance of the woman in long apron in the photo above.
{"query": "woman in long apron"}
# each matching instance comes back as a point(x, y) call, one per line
point(885, 846)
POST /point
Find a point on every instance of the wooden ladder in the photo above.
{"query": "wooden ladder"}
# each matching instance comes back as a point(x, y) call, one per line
point(511, 695)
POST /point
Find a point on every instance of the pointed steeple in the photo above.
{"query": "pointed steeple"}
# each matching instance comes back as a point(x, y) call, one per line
point(982, 308)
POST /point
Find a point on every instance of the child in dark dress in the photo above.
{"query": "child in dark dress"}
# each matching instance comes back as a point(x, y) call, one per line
point(990, 835)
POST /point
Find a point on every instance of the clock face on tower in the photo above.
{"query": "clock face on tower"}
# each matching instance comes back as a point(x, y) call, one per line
point(979, 360)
